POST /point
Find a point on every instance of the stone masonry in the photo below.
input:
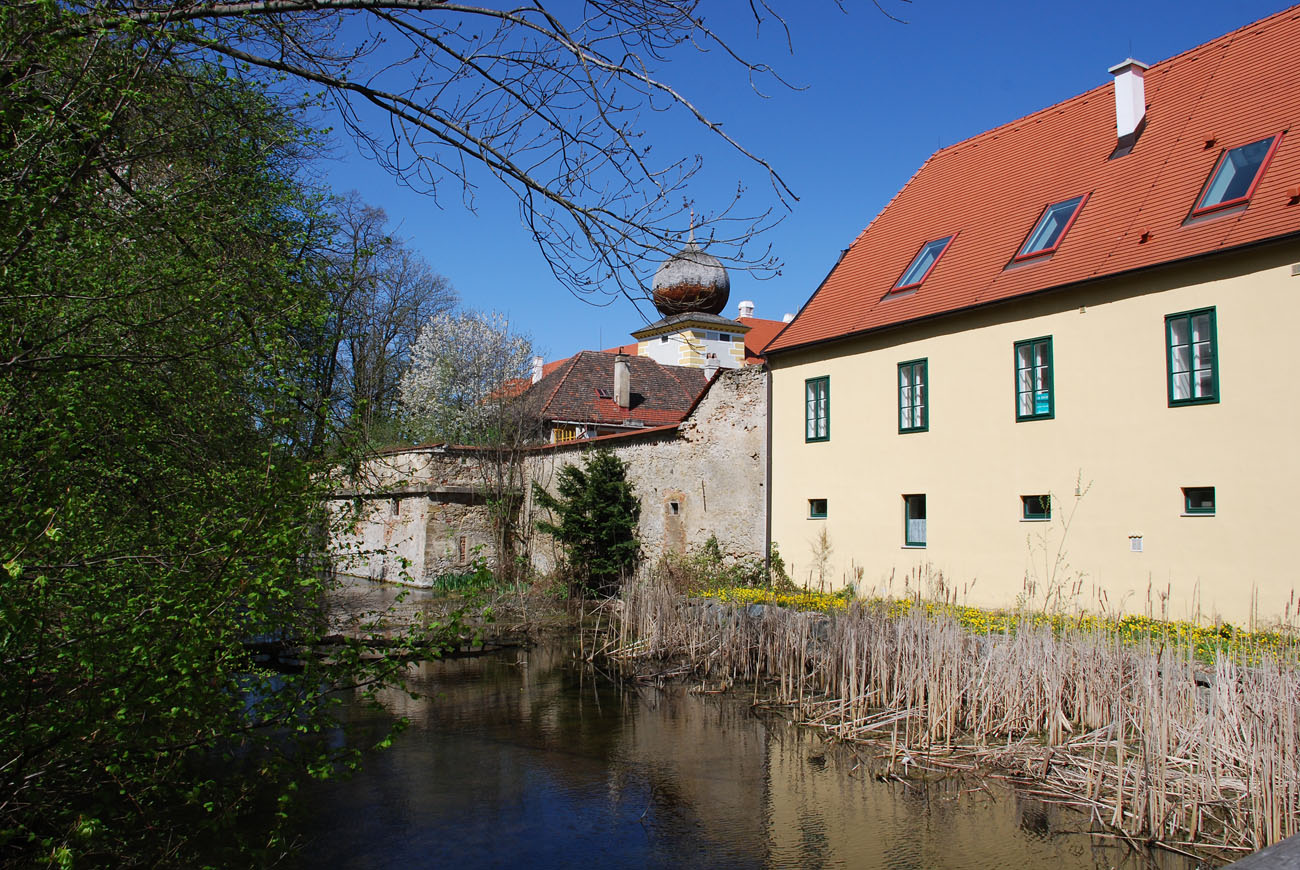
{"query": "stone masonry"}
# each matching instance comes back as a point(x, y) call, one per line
point(419, 513)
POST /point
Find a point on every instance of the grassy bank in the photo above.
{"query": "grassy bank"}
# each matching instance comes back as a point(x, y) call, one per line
point(1169, 732)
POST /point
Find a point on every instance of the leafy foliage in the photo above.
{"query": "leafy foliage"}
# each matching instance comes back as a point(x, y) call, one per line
point(160, 509)
point(598, 513)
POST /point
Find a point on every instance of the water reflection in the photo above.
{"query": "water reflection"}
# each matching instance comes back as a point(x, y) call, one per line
point(522, 758)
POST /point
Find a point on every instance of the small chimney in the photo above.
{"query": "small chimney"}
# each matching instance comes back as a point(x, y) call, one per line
point(787, 318)
point(538, 365)
point(710, 365)
point(1130, 100)
point(746, 309)
point(622, 381)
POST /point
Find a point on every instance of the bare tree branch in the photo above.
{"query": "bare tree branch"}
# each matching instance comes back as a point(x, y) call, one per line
point(554, 103)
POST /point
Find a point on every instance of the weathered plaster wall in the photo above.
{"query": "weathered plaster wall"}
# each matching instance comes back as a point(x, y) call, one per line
point(707, 478)
point(410, 517)
point(414, 515)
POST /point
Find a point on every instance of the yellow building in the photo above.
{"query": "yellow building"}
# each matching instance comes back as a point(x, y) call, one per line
point(1060, 365)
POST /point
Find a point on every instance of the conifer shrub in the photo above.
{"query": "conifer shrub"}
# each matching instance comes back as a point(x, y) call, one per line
point(595, 520)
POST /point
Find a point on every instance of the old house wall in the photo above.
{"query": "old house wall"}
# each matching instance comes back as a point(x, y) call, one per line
point(705, 479)
point(412, 516)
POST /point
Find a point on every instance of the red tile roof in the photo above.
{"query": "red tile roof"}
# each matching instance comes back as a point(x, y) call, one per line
point(571, 392)
point(760, 333)
point(991, 189)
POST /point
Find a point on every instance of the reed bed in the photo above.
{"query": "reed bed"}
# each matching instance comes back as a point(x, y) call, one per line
point(1156, 740)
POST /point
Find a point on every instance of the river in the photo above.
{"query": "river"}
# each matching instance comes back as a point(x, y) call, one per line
point(524, 758)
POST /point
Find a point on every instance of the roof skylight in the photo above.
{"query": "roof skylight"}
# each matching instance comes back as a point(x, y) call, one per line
point(1235, 175)
point(923, 262)
point(1051, 227)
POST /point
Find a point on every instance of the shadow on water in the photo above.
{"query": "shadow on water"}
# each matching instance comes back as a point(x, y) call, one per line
point(523, 758)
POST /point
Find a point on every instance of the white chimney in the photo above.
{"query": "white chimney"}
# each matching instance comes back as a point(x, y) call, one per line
point(622, 381)
point(710, 365)
point(1130, 96)
point(538, 365)
point(746, 309)
point(787, 318)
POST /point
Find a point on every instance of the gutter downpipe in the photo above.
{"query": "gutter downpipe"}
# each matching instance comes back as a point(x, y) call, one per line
point(767, 482)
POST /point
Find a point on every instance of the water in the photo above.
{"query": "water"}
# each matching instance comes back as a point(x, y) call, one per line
point(521, 758)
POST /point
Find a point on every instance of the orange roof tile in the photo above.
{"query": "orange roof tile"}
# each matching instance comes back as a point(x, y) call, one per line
point(760, 333)
point(992, 188)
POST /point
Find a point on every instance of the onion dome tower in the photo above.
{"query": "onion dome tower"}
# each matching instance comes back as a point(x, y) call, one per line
point(689, 281)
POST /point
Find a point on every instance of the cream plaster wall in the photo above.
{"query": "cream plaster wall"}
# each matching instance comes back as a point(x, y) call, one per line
point(1113, 431)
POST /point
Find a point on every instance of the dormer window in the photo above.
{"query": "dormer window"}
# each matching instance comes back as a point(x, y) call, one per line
point(922, 264)
point(1051, 228)
point(1235, 175)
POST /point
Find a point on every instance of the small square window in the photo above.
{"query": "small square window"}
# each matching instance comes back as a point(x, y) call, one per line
point(913, 396)
point(1036, 507)
point(914, 520)
point(1051, 228)
point(817, 411)
point(1034, 399)
point(674, 508)
point(1191, 339)
point(663, 339)
point(816, 508)
point(1198, 500)
point(924, 261)
point(1235, 175)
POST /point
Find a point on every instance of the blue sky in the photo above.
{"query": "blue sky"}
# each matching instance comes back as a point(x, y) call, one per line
point(877, 98)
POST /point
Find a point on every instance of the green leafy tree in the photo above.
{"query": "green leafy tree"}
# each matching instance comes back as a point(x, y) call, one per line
point(597, 513)
point(160, 503)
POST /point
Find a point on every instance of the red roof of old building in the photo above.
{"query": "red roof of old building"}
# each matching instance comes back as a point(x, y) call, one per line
point(990, 190)
point(760, 333)
point(580, 390)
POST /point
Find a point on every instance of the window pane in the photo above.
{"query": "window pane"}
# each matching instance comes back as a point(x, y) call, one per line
point(1204, 355)
point(1236, 173)
point(1182, 386)
point(1180, 358)
point(1178, 330)
point(916, 272)
point(1047, 234)
point(1201, 327)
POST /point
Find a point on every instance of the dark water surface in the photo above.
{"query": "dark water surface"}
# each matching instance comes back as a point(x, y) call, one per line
point(523, 759)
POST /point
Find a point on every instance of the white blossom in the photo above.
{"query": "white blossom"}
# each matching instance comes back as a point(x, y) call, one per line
point(467, 370)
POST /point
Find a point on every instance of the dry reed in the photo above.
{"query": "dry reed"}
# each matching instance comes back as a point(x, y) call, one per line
point(1151, 741)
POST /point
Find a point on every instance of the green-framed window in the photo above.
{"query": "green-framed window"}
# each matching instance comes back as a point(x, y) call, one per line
point(914, 520)
point(1198, 500)
point(1036, 507)
point(1191, 339)
point(913, 396)
point(1035, 398)
point(816, 508)
point(817, 409)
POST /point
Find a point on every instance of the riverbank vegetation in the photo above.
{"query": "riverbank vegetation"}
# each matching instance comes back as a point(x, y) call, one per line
point(167, 317)
point(1183, 735)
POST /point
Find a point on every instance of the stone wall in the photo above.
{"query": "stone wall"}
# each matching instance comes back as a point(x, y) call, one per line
point(706, 478)
point(417, 514)
point(412, 516)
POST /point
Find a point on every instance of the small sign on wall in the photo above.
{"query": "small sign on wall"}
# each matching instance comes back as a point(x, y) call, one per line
point(1135, 543)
